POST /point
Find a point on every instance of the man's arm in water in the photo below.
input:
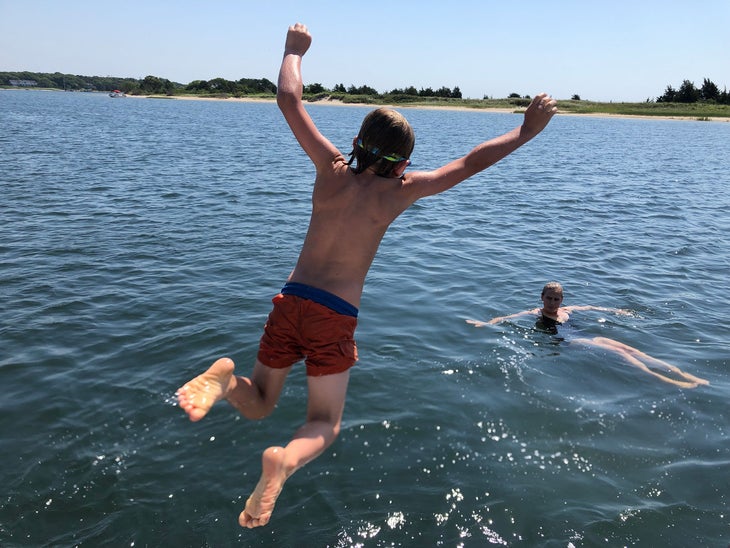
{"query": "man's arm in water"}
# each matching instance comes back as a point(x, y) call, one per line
point(499, 319)
point(619, 311)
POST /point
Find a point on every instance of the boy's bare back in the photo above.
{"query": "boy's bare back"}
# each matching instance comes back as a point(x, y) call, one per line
point(350, 215)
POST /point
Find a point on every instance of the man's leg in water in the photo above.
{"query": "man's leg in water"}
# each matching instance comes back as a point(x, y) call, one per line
point(638, 358)
point(326, 402)
point(255, 398)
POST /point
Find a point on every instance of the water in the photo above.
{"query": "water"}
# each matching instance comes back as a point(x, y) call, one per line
point(141, 239)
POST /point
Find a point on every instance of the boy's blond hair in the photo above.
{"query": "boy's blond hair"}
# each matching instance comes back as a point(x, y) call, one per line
point(385, 138)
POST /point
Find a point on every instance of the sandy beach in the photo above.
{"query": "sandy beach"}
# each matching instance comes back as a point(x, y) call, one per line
point(337, 102)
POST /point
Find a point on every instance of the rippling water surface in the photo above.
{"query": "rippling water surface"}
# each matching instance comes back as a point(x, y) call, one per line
point(141, 239)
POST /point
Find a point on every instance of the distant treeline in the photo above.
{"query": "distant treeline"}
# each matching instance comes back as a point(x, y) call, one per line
point(149, 85)
point(72, 82)
point(153, 85)
point(688, 93)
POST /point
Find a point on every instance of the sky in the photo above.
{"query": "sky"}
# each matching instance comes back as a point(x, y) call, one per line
point(601, 51)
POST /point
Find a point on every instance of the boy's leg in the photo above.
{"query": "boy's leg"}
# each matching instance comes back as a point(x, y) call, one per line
point(326, 402)
point(255, 398)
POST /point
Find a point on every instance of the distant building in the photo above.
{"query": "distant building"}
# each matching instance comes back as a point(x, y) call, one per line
point(23, 83)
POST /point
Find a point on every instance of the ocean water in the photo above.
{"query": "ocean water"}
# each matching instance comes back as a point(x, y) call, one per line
point(141, 239)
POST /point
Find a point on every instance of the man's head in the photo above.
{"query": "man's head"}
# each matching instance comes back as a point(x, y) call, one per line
point(554, 287)
point(385, 142)
point(552, 296)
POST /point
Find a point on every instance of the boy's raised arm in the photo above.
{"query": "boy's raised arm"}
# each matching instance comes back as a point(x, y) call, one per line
point(289, 98)
point(538, 114)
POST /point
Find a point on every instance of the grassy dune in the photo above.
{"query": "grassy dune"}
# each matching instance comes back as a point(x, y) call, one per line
point(698, 111)
point(695, 111)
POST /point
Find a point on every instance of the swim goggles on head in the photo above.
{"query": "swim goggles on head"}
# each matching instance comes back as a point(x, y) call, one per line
point(376, 151)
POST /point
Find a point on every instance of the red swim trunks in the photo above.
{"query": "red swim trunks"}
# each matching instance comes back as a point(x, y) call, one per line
point(299, 328)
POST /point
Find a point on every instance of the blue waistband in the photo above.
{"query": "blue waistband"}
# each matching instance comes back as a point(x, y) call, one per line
point(325, 298)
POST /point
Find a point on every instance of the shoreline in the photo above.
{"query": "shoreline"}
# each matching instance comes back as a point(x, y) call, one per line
point(488, 109)
point(494, 110)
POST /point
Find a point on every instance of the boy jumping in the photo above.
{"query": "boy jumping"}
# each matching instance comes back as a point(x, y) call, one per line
point(315, 315)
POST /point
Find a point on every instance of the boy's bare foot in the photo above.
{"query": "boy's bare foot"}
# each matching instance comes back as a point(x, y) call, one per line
point(260, 504)
point(197, 396)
